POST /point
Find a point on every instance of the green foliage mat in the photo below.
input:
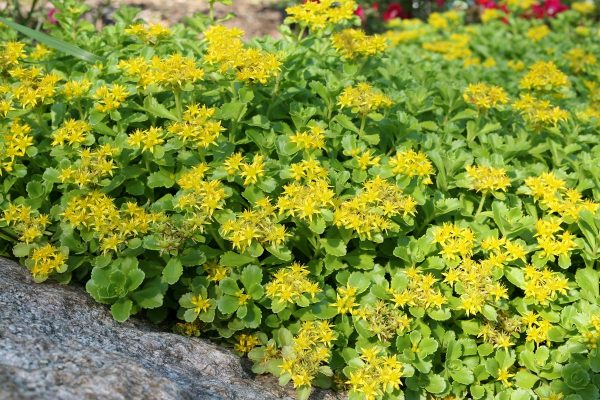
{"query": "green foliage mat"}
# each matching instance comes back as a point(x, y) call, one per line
point(407, 215)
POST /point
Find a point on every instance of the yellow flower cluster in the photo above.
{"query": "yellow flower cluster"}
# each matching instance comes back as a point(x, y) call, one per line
point(250, 172)
point(477, 279)
point(291, 285)
point(377, 374)
point(491, 14)
point(454, 49)
point(363, 99)
point(544, 76)
point(40, 52)
point(549, 240)
point(369, 212)
point(365, 158)
point(215, 271)
point(197, 126)
point(47, 259)
point(254, 226)
point(499, 338)
point(318, 15)
point(382, 319)
point(305, 201)
point(245, 343)
point(420, 292)
point(537, 33)
point(97, 212)
point(310, 349)
point(345, 299)
point(91, 166)
point(73, 132)
point(12, 53)
point(354, 43)
point(14, 144)
point(580, 60)
point(520, 4)
point(225, 48)
point(542, 285)
point(396, 38)
point(200, 303)
point(583, 7)
point(484, 96)
point(173, 71)
point(554, 196)
point(537, 328)
point(309, 170)
point(444, 20)
point(110, 98)
point(76, 89)
point(146, 139)
point(313, 139)
point(33, 87)
point(456, 241)
point(150, 33)
point(199, 198)
point(29, 224)
point(539, 113)
point(412, 163)
point(487, 179)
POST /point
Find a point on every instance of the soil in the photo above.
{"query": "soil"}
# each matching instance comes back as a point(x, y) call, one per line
point(255, 17)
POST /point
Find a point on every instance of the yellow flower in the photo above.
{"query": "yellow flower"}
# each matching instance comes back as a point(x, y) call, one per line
point(346, 299)
point(544, 76)
point(354, 43)
point(318, 15)
point(485, 96)
point(537, 33)
point(47, 259)
point(246, 343)
point(363, 99)
point(504, 376)
point(488, 179)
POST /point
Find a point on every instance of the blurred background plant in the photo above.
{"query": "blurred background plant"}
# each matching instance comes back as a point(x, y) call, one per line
point(262, 17)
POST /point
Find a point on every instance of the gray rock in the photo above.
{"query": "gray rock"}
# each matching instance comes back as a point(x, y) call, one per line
point(57, 343)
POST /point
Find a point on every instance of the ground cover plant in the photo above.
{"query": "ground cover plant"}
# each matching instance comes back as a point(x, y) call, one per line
point(406, 215)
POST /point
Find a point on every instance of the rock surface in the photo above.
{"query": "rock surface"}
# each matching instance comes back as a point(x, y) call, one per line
point(57, 343)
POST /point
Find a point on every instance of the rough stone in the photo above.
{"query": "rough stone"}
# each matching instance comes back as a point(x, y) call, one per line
point(57, 343)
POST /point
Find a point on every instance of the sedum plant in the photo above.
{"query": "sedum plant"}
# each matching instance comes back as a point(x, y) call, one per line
point(412, 215)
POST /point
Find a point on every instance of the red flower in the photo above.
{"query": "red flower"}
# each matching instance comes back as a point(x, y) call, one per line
point(376, 6)
point(360, 12)
point(440, 3)
point(394, 10)
point(548, 9)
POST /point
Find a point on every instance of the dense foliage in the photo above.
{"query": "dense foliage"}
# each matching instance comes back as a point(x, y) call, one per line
point(407, 215)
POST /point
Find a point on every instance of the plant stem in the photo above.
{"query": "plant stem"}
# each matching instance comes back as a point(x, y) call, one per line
point(178, 105)
point(481, 202)
point(301, 33)
point(363, 122)
point(211, 11)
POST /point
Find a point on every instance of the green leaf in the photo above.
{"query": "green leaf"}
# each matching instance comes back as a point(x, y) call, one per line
point(436, 384)
point(232, 259)
point(228, 304)
point(251, 276)
point(160, 178)
point(121, 310)
point(525, 380)
point(172, 271)
point(152, 106)
point(52, 42)
point(587, 279)
point(334, 246)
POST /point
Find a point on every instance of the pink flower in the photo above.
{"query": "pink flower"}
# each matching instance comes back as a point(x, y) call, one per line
point(51, 18)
